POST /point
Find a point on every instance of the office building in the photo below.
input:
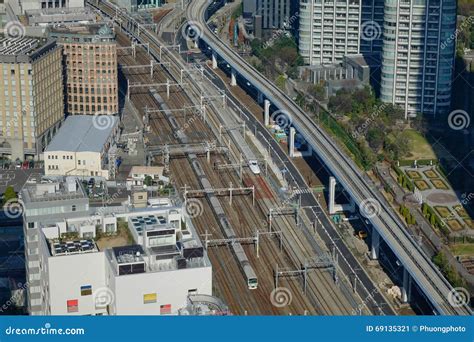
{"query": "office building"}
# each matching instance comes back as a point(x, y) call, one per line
point(418, 55)
point(79, 273)
point(269, 14)
point(328, 30)
point(83, 147)
point(19, 7)
point(135, 5)
point(90, 58)
point(31, 95)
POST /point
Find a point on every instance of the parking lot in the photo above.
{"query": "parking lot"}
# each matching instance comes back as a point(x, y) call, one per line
point(17, 177)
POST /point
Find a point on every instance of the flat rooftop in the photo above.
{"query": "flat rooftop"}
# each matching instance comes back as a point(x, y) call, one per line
point(84, 29)
point(52, 191)
point(19, 46)
point(83, 133)
point(64, 247)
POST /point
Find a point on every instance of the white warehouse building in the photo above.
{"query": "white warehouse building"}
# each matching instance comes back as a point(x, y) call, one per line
point(83, 147)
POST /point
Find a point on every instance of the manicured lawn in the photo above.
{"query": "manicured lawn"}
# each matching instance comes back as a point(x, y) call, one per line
point(422, 185)
point(420, 148)
point(461, 211)
point(454, 225)
point(413, 174)
point(439, 184)
point(431, 174)
point(443, 211)
point(466, 249)
point(469, 223)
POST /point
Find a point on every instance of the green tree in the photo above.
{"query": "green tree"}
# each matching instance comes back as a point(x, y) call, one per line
point(318, 92)
point(148, 180)
point(9, 195)
point(375, 138)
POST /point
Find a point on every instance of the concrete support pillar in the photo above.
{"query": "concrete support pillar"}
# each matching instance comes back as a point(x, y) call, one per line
point(168, 88)
point(233, 78)
point(214, 61)
point(267, 112)
point(374, 251)
point(406, 288)
point(332, 195)
point(292, 141)
point(128, 89)
point(151, 68)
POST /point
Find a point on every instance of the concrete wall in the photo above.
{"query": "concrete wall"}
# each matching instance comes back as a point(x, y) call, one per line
point(90, 164)
point(170, 287)
point(66, 276)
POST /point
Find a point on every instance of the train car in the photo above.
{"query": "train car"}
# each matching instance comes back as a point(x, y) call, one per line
point(229, 233)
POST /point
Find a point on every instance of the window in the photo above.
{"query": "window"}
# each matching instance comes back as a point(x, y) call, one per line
point(72, 305)
point(165, 309)
point(149, 298)
point(78, 162)
point(73, 208)
point(86, 290)
point(31, 224)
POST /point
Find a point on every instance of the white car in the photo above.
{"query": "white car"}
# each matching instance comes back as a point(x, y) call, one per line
point(253, 165)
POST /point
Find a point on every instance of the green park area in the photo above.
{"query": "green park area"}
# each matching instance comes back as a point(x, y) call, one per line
point(463, 249)
point(419, 147)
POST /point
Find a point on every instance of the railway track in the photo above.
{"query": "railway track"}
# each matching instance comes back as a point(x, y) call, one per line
point(186, 177)
point(227, 274)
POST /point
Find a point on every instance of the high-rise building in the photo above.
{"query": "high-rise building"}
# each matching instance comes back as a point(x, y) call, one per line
point(418, 55)
point(270, 14)
point(31, 95)
point(329, 30)
point(414, 39)
point(90, 62)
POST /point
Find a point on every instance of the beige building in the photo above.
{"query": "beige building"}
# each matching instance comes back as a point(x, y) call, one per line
point(83, 147)
point(90, 57)
point(31, 95)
